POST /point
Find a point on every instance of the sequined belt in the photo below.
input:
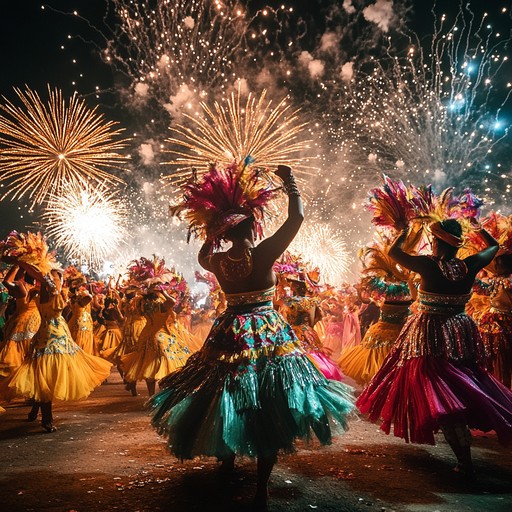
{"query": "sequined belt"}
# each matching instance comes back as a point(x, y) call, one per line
point(394, 318)
point(254, 297)
point(442, 304)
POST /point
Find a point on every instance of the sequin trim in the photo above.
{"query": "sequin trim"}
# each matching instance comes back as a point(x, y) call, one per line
point(442, 304)
point(241, 299)
point(255, 353)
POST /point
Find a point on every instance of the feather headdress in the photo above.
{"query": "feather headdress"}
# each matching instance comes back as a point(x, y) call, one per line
point(500, 227)
point(146, 272)
point(209, 279)
point(377, 262)
point(73, 275)
point(30, 248)
point(391, 204)
point(222, 198)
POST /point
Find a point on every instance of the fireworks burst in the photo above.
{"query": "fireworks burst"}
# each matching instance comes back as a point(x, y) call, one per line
point(43, 147)
point(89, 223)
point(322, 247)
point(231, 133)
point(165, 44)
point(433, 112)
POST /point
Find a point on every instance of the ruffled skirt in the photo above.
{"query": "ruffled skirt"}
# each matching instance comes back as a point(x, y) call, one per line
point(251, 390)
point(84, 338)
point(18, 333)
point(363, 361)
point(432, 378)
point(59, 371)
point(155, 357)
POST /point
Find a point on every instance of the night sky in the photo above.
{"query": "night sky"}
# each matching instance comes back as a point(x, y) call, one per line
point(37, 51)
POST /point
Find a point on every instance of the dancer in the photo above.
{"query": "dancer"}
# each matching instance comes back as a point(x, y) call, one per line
point(160, 349)
point(80, 324)
point(112, 319)
point(250, 390)
point(58, 368)
point(23, 324)
point(302, 313)
point(132, 328)
point(388, 281)
point(492, 298)
point(434, 377)
point(496, 324)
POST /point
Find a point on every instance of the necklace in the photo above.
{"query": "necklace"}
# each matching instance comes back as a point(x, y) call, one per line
point(236, 268)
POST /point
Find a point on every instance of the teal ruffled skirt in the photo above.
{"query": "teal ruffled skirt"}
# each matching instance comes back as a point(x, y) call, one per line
point(251, 390)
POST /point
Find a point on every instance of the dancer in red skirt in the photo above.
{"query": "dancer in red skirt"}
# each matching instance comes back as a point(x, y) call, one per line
point(434, 378)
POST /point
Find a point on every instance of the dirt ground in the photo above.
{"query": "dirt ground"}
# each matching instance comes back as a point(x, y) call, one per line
point(104, 456)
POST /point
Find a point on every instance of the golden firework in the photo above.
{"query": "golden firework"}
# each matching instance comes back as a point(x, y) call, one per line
point(88, 222)
point(270, 135)
point(321, 246)
point(43, 146)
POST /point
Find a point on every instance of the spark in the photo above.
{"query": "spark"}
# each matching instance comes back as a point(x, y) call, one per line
point(432, 111)
point(270, 135)
point(89, 222)
point(322, 246)
point(166, 44)
point(42, 147)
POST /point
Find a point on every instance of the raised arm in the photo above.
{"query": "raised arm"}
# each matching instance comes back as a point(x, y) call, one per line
point(169, 302)
point(415, 263)
point(272, 247)
point(10, 281)
point(476, 262)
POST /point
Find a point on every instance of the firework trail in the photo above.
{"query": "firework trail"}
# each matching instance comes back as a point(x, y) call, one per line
point(270, 135)
point(88, 222)
point(430, 113)
point(167, 44)
point(43, 147)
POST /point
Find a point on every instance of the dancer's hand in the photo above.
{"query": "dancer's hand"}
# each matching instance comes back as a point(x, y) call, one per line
point(284, 172)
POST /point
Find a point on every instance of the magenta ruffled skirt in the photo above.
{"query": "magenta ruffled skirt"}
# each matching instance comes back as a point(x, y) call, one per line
point(416, 395)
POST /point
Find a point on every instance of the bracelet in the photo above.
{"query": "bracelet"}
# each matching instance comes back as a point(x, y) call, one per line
point(290, 187)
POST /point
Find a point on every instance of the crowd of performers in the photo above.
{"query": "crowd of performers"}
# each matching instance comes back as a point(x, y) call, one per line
point(426, 332)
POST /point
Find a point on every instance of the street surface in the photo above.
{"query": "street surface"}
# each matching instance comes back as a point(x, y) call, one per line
point(105, 456)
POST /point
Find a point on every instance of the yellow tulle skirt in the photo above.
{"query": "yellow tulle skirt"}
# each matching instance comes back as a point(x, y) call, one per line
point(155, 357)
point(85, 340)
point(363, 361)
point(110, 340)
point(64, 376)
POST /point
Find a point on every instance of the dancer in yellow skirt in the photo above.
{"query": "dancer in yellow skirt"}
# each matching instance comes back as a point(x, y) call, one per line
point(113, 319)
point(388, 282)
point(81, 325)
point(23, 324)
point(58, 368)
point(134, 323)
point(160, 350)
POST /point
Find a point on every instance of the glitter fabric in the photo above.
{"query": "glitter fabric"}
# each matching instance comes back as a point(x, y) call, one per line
point(496, 328)
point(250, 390)
point(434, 375)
